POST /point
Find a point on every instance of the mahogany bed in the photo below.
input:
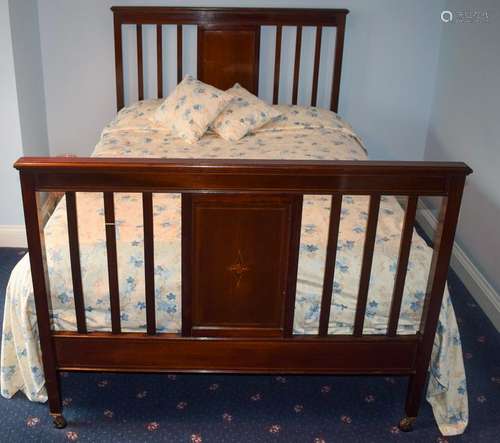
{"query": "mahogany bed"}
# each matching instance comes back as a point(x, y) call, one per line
point(229, 340)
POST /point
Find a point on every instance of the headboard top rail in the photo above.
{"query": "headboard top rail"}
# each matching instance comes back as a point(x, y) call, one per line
point(209, 15)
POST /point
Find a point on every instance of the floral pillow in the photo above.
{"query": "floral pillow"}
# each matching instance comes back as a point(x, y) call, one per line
point(190, 108)
point(243, 115)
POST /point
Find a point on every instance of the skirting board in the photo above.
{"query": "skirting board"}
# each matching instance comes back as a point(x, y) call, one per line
point(475, 282)
point(13, 236)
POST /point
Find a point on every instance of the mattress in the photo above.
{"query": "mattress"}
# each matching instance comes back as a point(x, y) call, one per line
point(300, 133)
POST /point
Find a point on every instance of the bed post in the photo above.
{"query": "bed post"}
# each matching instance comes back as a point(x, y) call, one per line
point(41, 292)
point(443, 247)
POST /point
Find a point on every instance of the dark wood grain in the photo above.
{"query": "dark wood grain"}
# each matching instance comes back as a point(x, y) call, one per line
point(149, 263)
point(114, 294)
point(296, 65)
point(331, 254)
point(366, 265)
point(179, 53)
point(140, 64)
point(337, 65)
point(297, 355)
point(74, 251)
point(229, 55)
point(317, 55)
point(159, 60)
point(41, 290)
point(402, 267)
point(277, 64)
point(120, 93)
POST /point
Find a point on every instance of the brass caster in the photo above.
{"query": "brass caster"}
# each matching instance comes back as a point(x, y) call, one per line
point(59, 421)
point(406, 424)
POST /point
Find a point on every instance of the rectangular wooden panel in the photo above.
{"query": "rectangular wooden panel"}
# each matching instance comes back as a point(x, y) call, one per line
point(240, 252)
point(169, 352)
point(229, 55)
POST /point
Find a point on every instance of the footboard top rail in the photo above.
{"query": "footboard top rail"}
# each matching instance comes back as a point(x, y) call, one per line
point(198, 175)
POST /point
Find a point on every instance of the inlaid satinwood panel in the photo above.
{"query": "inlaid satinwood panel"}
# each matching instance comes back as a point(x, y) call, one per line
point(229, 55)
point(239, 250)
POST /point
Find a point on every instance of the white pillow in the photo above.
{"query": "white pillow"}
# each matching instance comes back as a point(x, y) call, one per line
point(243, 115)
point(190, 108)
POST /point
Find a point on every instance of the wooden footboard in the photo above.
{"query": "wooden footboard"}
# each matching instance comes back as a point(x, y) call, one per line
point(240, 246)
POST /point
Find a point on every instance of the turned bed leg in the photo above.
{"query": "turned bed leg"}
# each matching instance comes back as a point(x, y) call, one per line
point(414, 394)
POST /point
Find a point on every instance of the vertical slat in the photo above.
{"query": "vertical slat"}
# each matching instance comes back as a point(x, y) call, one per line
point(317, 55)
point(140, 64)
point(120, 98)
point(159, 60)
point(149, 270)
point(296, 67)
point(277, 64)
point(114, 296)
point(366, 266)
point(41, 290)
point(293, 264)
point(337, 67)
point(179, 53)
point(443, 246)
point(404, 253)
point(74, 252)
point(186, 268)
point(331, 255)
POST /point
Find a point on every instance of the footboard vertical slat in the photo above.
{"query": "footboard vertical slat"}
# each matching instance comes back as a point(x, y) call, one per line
point(296, 67)
point(179, 53)
point(331, 254)
point(366, 266)
point(404, 253)
point(277, 64)
point(291, 284)
point(159, 60)
point(149, 273)
point(114, 295)
point(140, 64)
point(74, 252)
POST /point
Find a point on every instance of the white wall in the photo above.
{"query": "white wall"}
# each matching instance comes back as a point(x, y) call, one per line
point(10, 127)
point(29, 76)
point(390, 58)
point(464, 127)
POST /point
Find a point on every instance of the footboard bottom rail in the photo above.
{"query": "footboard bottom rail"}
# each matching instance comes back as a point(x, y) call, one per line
point(241, 228)
point(134, 352)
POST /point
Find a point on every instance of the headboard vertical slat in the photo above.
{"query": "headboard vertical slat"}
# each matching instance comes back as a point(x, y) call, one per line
point(120, 99)
point(140, 64)
point(179, 53)
point(317, 54)
point(337, 68)
point(277, 65)
point(159, 60)
point(296, 66)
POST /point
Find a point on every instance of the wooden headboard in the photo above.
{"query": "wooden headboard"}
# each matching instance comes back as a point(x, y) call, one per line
point(229, 44)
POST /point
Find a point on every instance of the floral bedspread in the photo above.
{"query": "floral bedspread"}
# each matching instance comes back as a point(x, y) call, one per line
point(300, 133)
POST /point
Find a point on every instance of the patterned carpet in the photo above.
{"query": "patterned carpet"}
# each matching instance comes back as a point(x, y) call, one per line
point(223, 408)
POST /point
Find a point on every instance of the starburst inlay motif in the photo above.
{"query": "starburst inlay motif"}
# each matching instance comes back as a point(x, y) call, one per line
point(239, 268)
